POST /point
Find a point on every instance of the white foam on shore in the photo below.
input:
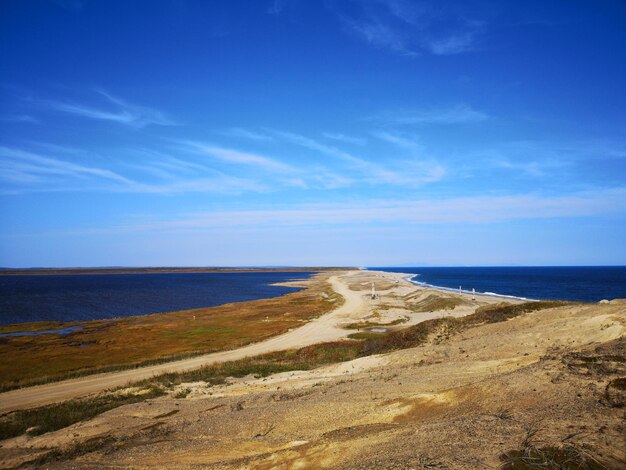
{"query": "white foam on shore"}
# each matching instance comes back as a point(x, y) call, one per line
point(411, 278)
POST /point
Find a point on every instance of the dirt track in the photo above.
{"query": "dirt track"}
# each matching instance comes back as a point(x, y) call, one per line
point(319, 330)
point(462, 400)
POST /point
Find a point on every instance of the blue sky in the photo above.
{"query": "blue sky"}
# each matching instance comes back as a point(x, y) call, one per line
point(293, 132)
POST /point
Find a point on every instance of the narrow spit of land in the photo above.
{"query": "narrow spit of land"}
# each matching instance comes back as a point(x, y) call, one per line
point(321, 329)
point(163, 270)
point(528, 385)
point(328, 327)
point(113, 344)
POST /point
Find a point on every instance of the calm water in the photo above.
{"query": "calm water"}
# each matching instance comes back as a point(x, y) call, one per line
point(95, 296)
point(588, 284)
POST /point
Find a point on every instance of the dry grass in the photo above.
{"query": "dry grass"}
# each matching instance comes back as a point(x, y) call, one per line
point(317, 355)
point(44, 419)
point(52, 417)
point(504, 311)
point(435, 302)
point(142, 340)
point(73, 451)
point(568, 457)
point(306, 358)
point(367, 324)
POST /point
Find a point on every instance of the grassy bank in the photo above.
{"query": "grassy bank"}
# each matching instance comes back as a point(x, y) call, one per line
point(317, 355)
point(108, 345)
point(48, 418)
point(52, 417)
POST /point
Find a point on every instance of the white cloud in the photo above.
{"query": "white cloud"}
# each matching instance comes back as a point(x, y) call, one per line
point(124, 113)
point(409, 28)
point(452, 44)
point(473, 210)
point(409, 143)
point(27, 163)
point(313, 144)
point(22, 118)
point(241, 158)
point(379, 213)
point(458, 114)
point(246, 134)
point(378, 34)
point(29, 172)
point(394, 172)
point(344, 138)
point(276, 7)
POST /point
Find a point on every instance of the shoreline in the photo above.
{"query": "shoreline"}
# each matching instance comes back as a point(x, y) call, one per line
point(410, 278)
point(96, 308)
point(352, 286)
point(159, 270)
point(38, 327)
point(318, 329)
point(138, 341)
point(489, 380)
point(528, 284)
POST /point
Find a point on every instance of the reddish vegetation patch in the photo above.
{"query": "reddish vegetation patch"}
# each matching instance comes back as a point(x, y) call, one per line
point(120, 343)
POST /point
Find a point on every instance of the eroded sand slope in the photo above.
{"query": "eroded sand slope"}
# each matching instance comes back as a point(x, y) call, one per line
point(459, 401)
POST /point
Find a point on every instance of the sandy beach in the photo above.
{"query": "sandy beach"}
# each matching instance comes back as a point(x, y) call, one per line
point(356, 307)
point(461, 400)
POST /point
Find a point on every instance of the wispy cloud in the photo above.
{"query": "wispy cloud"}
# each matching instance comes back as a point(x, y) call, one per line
point(458, 114)
point(276, 7)
point(408, 142)
point(453, 43)
point(23, 118)
point(378, 213)
point(315, 145)
point(246, 134)
point(525, 158)
point(346, 139)
point(531, 168)
point(124, 113)
point(409, 28)
point(31, 166)
point(219, 184)
point(379, 34)
point(241, 158)
point(403, 172)
point(348, 168)
point(23, 171)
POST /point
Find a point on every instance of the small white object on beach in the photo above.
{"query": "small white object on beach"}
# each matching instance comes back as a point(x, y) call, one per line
point(604, 301)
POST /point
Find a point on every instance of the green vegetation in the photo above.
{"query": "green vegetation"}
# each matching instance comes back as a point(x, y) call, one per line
point(619, 384)
point(365, 335)
point(615, 393)
point(365, 344)
point(60, 415)
point(434, 303)
point(74, 451)
point(183, 393)
point(306, 358)
point(366, 324)
point(567, 457)
point(504, 311)
point(131, 342)
point(57, 416)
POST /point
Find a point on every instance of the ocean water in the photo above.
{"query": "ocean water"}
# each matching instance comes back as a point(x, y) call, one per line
point(578, 283)
point(97, 296)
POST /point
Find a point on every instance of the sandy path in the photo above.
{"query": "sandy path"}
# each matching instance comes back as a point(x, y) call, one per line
point(319, 330)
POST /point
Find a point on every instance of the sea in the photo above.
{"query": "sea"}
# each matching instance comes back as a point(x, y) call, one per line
point(96, 296)
point(576, 283)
